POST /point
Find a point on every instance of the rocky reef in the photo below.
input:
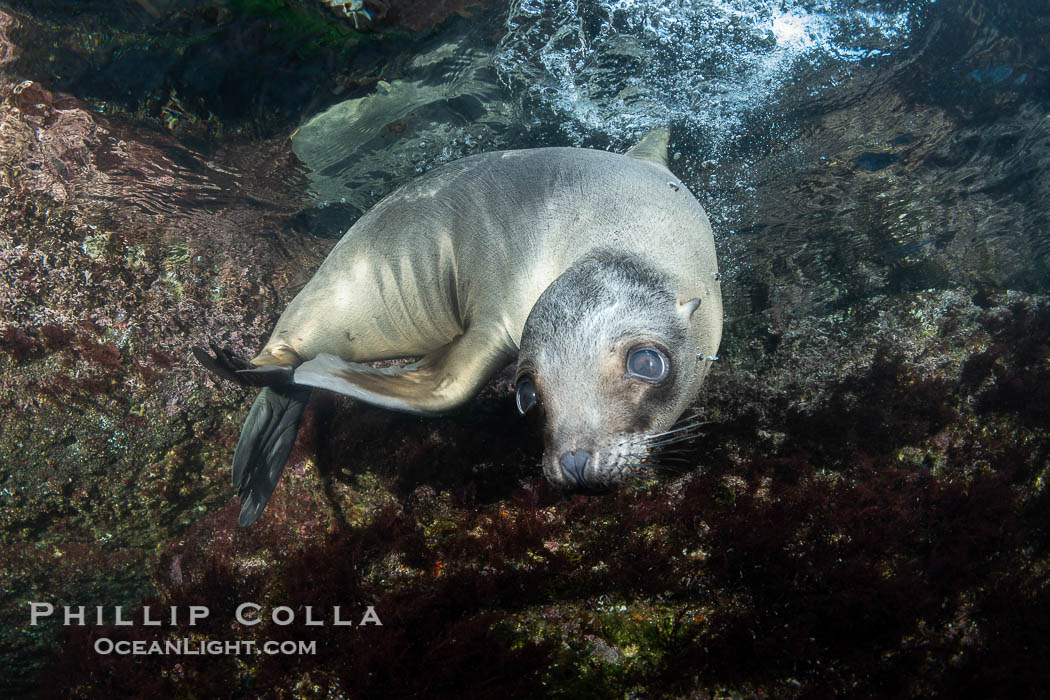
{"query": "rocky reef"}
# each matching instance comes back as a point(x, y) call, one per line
point(863, 513)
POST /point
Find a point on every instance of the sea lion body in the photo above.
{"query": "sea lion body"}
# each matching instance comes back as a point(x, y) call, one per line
point(477, 241)
point(450, 267)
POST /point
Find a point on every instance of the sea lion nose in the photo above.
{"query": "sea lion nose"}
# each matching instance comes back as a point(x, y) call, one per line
point(573, 465)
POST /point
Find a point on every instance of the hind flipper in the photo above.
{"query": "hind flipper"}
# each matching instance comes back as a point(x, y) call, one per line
point(266, 441)
point(652, 148)
point(444, 379)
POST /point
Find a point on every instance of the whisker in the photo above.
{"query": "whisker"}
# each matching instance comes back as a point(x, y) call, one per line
point(694, 430)
point(672, 431)
point(633, 440)
point(673, 441)
point(682, 437)
point(658, 439)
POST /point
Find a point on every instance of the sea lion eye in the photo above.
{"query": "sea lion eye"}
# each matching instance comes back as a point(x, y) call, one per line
point(526, 396)
point(648, 363)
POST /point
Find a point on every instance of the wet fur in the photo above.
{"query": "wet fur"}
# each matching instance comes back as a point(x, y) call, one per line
point(575, 346)
point(597, 251)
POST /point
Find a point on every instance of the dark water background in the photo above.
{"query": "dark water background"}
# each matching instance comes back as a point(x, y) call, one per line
point(876, 173)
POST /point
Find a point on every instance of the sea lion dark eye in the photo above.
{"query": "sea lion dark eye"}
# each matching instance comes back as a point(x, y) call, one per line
point(649, 364)
point(526, 396)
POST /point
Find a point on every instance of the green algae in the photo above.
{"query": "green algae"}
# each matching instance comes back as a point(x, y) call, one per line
point(608, 647)
point(299, 24)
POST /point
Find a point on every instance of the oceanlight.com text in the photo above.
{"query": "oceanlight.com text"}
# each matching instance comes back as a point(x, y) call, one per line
point(202, 647)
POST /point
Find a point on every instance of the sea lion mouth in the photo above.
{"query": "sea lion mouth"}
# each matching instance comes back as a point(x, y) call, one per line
point(584, 471)
point(604, 470)
point(626, 457)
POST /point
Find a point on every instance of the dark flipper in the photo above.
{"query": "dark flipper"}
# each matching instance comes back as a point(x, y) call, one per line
point(268, 434)
point(224, 363)
point(232, 368)
point(266, 441)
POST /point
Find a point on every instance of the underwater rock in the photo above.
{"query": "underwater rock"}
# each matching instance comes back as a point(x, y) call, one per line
point(327, 219)
point(413, 15)
point(896, 525)
point(875, 161)
point(200, 68)
point(864, 512)
point(109, 267)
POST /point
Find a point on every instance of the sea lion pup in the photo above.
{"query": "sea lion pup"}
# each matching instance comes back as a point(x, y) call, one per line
point(598, 270)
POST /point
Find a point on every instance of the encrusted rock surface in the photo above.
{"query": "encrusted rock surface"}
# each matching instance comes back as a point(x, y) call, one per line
point(864, 512)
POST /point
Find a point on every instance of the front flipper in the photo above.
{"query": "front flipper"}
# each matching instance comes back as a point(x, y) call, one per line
point(444, 379)
point(223, 362)
point(226, 364)
point(266, 441)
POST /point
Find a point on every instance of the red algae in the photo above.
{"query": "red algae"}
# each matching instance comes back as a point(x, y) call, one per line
point(863, 514)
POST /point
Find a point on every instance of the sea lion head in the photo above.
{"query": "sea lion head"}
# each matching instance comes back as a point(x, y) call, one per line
point(609, 358)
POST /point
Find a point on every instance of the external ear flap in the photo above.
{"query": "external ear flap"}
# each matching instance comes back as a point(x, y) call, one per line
point(687, 308)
